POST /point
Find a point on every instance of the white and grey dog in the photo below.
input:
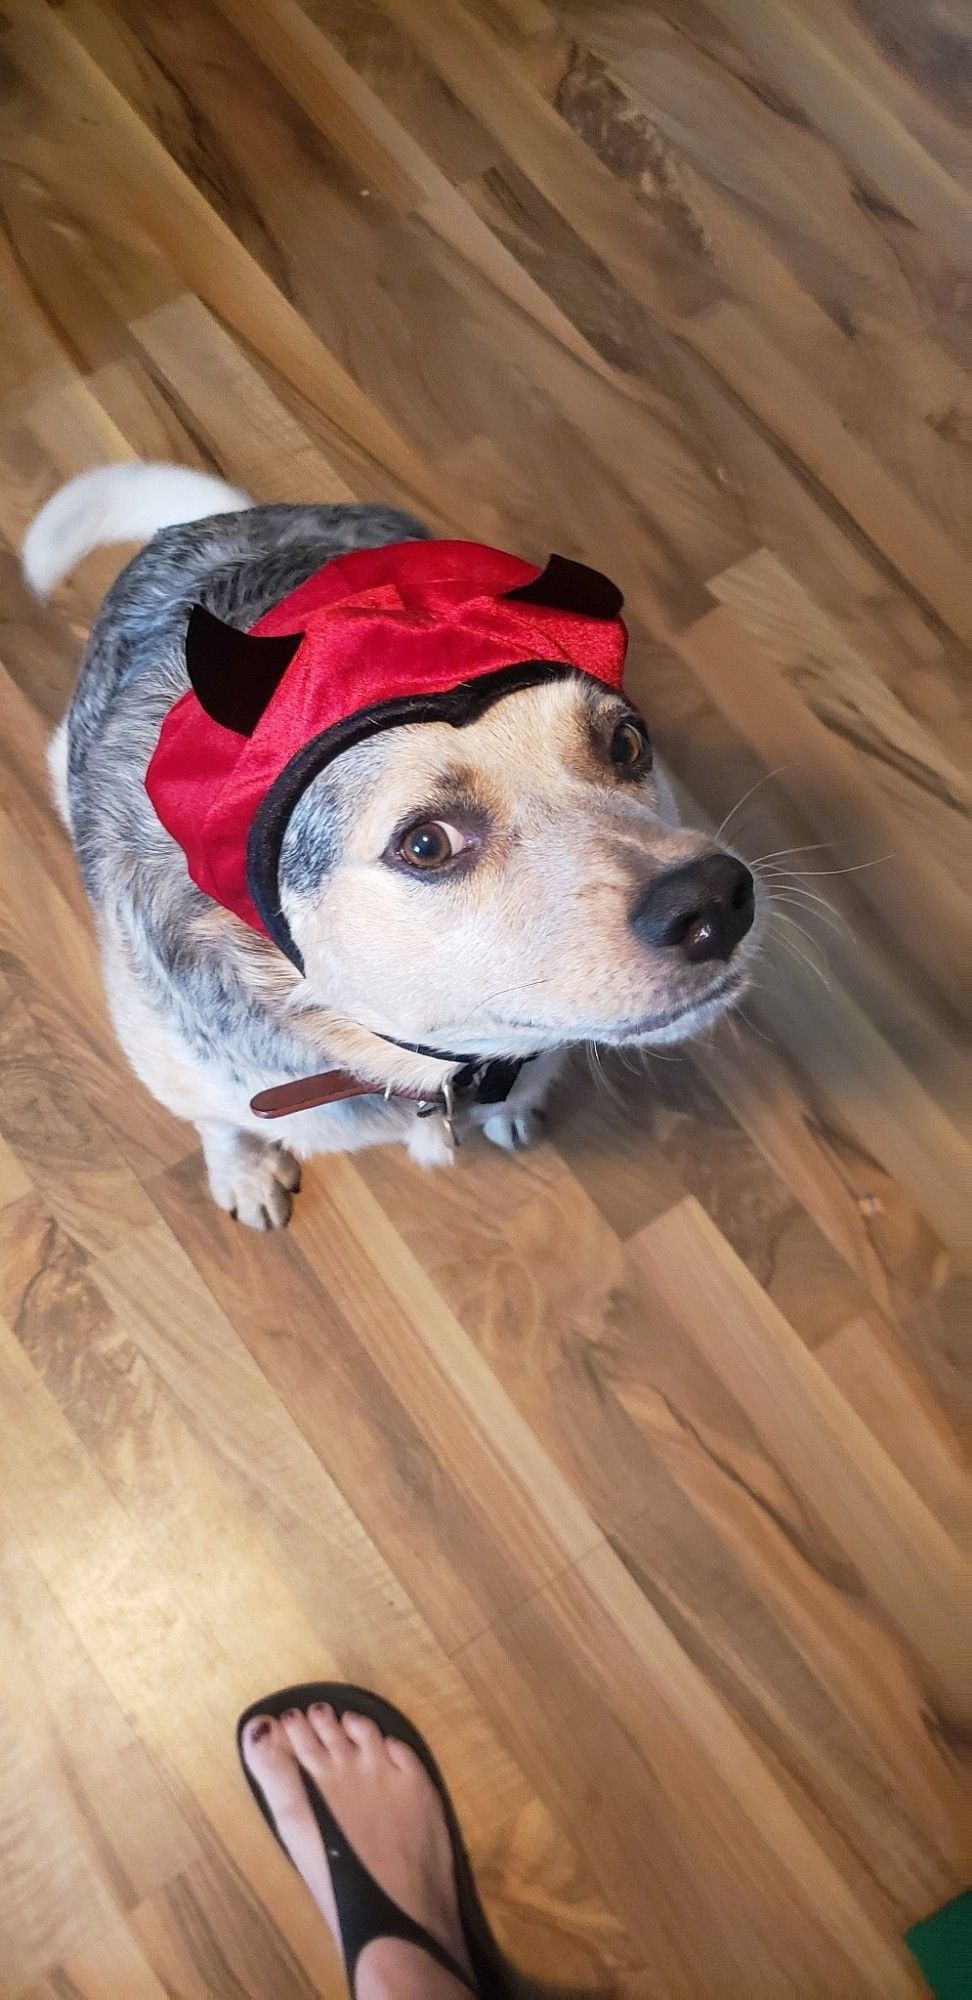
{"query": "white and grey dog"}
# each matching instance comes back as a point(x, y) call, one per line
point(583, 910)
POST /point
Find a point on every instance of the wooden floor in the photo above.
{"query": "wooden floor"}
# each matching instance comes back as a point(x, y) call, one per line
point(631, 1469)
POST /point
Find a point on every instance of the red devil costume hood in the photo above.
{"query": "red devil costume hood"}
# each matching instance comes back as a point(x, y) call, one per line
point(412, 632)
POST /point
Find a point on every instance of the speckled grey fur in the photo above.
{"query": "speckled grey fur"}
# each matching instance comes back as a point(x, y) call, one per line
point(237, 565)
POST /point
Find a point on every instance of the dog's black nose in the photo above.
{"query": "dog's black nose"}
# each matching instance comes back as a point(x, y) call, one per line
point(702, 908)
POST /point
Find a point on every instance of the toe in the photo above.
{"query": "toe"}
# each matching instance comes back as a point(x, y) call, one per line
point(304, 1741)
point(286, 1169)
point(404, 1758)
point(364, 1733)
point(326, 1727)
point(260, 1729)
point(276, 1206)
point(270, 1760)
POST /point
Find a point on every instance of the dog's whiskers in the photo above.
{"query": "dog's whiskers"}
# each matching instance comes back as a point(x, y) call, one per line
point(796, 952)
point(751, 1025)
point(788, 897)
point(524, 986)
point(601, 1077)
point(764, 780)
point(854, 868)
point(794, 887)
point(809, 847)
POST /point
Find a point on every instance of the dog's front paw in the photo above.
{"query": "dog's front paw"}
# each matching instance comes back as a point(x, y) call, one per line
point(513, 1130)
point(255, 1183)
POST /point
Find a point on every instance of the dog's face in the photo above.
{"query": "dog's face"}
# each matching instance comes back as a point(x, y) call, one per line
point(516, 884)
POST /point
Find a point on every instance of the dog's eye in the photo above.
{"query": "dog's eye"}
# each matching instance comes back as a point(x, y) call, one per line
point(630, 749)
point(431, 845)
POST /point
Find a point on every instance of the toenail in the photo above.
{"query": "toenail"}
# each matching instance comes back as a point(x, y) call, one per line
point(258, 1731)
point(291, 1714)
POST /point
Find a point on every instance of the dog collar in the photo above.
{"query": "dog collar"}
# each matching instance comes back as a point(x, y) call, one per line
point(425, 631)
point(479, 1082)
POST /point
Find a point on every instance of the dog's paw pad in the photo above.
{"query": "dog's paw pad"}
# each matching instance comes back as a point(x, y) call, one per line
point(258, 1188)
point(514, 1131)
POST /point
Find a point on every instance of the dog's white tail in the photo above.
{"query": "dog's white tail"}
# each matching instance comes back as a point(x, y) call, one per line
point(118, 503)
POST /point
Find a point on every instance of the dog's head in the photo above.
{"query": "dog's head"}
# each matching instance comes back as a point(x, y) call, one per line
point(420, 775)
point(515, 884)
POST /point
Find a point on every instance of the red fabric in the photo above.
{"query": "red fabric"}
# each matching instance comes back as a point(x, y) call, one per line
point(412, 618)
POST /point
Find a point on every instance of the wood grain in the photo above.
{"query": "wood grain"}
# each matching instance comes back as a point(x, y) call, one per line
point(634, 1469)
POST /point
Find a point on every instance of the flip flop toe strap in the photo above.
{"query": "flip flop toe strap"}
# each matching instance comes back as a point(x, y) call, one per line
point(365, 1911)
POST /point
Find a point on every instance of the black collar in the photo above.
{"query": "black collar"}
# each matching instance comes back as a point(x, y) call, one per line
point(485, 1079)
point(477, 1081)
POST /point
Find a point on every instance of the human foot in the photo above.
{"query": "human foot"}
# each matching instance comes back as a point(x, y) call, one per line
point(390, 1814)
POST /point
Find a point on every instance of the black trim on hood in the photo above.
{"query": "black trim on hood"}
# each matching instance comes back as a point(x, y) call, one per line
point(457, 706)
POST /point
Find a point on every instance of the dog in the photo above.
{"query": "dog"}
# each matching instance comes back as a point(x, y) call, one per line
point(543, 892)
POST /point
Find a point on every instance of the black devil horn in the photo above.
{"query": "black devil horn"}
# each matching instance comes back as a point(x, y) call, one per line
point(570, 586)
point(233, 675)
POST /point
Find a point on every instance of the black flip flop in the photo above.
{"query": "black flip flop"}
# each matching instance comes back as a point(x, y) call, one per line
point(365, 1912)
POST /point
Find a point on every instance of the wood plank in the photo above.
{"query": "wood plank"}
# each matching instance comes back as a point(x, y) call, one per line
point(203, 252)
point(92, 1828)
point(52, 968)
point(65, 1150)
point(859, 1207)
point(677, 294)
point(610, 1711)
point(844, 805)
point(844, 105)
point(109, 1966)
point(914, 1570)
point(891, 1397)
point(262, 447)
